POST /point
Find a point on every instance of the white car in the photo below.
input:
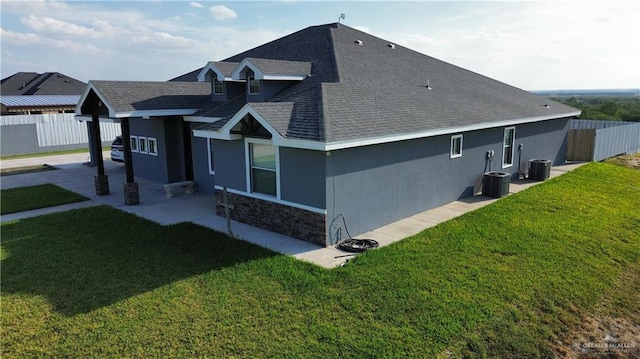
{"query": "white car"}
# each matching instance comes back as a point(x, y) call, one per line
point(117, 151)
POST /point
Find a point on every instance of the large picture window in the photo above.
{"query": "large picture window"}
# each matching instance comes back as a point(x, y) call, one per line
point(507, 146)
point(263, 168)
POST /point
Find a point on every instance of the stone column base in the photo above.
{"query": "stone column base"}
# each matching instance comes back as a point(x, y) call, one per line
point(131, 194)
point(102, 184)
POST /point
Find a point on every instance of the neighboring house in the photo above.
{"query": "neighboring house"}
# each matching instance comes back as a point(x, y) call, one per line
point(37, 114)
point(330, 125)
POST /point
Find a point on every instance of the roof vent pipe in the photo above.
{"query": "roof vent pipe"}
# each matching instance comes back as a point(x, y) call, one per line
point(392, 46)
point(428, 85)
point(359, 42)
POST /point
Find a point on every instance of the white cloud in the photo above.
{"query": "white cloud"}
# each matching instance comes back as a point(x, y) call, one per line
point(221, 12)
point(18, 38)
point(196, 5)
point(49, 25)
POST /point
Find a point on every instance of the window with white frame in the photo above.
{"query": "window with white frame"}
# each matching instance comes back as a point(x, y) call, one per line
point(133, 143)
point(142, 145)
point(456, 146)
point(507, 146)
point(263, 167)
point(218, 86)
point(254, 85)
point(152, 143)
point(212, 165)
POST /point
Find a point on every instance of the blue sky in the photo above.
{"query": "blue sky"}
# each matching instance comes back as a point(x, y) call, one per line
point(531, 45)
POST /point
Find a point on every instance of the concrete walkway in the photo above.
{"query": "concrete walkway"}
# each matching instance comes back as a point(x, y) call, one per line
point(200, 209)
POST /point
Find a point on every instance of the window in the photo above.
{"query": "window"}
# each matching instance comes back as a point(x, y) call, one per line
point(254, 85)
point(212, 166)
point(134, 143)
point(153, 146)
point(456, 146)
point(263, 164)
point(218, 87)
point(507, 147)
point(142, 145)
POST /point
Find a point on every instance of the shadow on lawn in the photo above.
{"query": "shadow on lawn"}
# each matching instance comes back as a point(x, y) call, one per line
point(85, 259)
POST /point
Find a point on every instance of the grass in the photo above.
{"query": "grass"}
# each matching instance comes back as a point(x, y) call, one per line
point(53, 153)
point(25, 169)
point(34, 197)
point(508, 280)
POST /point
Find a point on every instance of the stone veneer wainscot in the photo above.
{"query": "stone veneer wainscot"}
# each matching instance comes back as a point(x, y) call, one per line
point(294, 222)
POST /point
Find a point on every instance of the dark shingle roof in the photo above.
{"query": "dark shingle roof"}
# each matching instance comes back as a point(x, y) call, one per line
point(373, 90)
point(226, 67)
point(48, 83)
point(366, 89)
point(125, 96)
point(281, 67)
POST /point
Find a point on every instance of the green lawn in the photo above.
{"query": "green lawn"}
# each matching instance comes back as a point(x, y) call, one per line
point(54, 153)
point(508, 280)
point(34, 197)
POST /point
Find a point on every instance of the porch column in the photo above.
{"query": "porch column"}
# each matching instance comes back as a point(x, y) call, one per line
point(130, 188)
point(101, 181)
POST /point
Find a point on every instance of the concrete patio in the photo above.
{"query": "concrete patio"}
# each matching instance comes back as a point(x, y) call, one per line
point(200, 209)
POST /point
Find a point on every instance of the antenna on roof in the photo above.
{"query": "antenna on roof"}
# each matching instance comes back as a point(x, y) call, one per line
point(340, 17)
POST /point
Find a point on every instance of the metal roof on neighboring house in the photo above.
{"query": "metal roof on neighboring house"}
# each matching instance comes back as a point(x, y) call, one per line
point(39, 100)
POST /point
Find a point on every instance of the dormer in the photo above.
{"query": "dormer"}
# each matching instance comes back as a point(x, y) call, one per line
point(219, 75)
point(264, 77)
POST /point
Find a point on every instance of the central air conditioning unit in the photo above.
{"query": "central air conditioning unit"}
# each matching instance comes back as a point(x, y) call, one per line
point(539, 170)
point(496, 184)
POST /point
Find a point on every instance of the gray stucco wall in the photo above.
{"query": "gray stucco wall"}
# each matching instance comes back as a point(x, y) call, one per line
point(376, 185)
point(204, 180)
point(230, 168)
point(302, 177)
point(168, 165)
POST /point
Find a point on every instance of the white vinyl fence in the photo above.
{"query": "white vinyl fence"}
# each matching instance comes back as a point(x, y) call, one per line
point(61, 129)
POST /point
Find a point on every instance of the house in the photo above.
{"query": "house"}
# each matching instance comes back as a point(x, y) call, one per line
point(37, 114)
point(26, 93)
point(330, 128)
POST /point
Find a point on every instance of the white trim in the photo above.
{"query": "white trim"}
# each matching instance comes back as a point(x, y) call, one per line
point(202, 75)
point(212, 171)
point(155, 142)
point(142, 140)
point(201, 119)
point(84, 96)
point(455, 155)
point(216, 135)
point(86, 118)
point(273, 200)
point(239, 74)
point(155, 113)
point(248, 166)
point(132, 140)
point(513, 146)
point(276, 77)
point(223, 133)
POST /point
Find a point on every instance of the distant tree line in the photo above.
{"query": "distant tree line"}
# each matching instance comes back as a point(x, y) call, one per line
point(611, 108)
